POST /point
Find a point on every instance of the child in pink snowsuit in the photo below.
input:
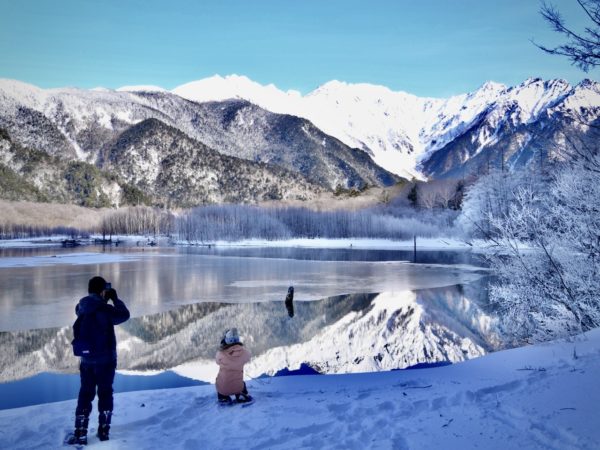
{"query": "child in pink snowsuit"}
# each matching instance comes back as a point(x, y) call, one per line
point(231, 358)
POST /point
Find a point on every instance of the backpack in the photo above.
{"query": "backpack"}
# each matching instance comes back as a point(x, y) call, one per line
point(89, 339)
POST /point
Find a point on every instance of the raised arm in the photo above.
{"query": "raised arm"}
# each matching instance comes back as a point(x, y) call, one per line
point(118, 311)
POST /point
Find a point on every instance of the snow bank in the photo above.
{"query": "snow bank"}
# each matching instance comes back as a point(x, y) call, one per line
point(67, 258)
point(362, 243)
point(537, 397)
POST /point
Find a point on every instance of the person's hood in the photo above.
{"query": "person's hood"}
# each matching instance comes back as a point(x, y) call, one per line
point(89, 304)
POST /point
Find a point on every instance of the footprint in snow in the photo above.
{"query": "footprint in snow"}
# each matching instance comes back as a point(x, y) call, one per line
point(386, 406)
point(339, 407)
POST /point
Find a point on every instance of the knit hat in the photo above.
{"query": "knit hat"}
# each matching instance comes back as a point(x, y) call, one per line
point(231, 337)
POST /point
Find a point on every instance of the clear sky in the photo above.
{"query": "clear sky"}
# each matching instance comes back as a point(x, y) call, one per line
point(426, 47)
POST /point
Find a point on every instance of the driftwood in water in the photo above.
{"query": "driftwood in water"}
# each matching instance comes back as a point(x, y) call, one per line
point(289, 301)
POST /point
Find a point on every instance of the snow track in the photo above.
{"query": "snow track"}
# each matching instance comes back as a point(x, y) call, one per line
point(538, 397)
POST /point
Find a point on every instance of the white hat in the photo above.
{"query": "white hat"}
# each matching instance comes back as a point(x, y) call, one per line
point(231, 336)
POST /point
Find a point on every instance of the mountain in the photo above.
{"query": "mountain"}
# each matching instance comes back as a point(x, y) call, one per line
point(535, 123)
point(84, 125)
point(280, 145)
point(35, 175)
point(428, 137)
point(240, 128)
point(175, 169)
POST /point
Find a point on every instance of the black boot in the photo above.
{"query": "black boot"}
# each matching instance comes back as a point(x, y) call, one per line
point(224, 399)
point(104, 425)
point(79, 436)
point(243, 397)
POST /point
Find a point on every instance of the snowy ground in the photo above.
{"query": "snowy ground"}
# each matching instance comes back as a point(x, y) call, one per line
point(359, 243)
point(543, 396)
point(67, 258)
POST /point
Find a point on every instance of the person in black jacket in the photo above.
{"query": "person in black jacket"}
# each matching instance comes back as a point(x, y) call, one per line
point(97, 370)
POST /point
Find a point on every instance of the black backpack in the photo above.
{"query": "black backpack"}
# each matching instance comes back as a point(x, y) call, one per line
point(89, 339)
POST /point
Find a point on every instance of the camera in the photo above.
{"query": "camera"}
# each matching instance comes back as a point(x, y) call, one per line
point(107, 286)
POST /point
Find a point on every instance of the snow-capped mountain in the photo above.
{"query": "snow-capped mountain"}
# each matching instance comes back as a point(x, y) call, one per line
point(527, 124)
point(287, 156)
point(325, 136)
point(85, 125)
point(403, 132)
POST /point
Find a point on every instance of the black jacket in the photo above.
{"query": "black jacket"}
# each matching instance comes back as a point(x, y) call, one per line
point(107, 316)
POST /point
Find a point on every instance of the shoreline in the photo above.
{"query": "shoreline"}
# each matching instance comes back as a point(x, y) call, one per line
point(325, 243)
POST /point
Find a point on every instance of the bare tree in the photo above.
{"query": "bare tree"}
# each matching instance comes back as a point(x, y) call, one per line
point(582, 47)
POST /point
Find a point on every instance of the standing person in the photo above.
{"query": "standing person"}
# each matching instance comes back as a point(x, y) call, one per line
point(231, 357)
point(96, 343)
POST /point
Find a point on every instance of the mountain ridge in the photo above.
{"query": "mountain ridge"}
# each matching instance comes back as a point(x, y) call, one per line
point(399, 130)
point(338, 135)
point(79, 125)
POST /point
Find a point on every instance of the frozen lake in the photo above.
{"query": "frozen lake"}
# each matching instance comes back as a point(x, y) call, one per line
point(380, 310)
point(40, 286)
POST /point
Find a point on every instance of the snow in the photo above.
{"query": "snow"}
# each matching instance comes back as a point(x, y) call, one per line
point(31, 243)
point(536, 397)
point(358, 243)
point(66, 258)
point(141, 88)
point(399, 130)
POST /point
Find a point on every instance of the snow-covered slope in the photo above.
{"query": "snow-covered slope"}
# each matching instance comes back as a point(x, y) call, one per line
point(538, 397)
point(400, 130)
point(318, 134)
point(81, 125)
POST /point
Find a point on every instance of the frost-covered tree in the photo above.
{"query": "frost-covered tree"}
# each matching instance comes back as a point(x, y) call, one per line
point(544, 247)
point(489, 198)
point(142, 220)
point(234, 222)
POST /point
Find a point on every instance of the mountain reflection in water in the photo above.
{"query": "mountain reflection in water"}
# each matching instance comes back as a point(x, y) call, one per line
point(394, 330)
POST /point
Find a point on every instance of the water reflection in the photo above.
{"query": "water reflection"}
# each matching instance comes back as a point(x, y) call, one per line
point(162, 279)
point(339, 334)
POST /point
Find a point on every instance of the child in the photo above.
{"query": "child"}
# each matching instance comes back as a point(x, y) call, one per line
point(231, 358)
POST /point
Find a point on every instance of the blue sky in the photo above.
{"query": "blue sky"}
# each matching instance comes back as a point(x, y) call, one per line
point(426, 47)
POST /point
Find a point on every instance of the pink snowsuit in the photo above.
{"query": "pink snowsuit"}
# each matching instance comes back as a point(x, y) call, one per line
point(231, 360)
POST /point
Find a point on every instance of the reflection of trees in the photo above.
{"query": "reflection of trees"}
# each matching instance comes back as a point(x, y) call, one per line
point(155, 327)
point(26, 353)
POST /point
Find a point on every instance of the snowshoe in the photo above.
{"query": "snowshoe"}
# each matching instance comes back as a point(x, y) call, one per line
point(102, 432)
point(78, 437)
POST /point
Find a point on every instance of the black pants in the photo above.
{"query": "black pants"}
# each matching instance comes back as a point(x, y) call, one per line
point(100, 377)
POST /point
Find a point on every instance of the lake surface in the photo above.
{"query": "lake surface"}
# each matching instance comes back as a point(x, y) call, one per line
point(40, 287)
point(356, 310)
